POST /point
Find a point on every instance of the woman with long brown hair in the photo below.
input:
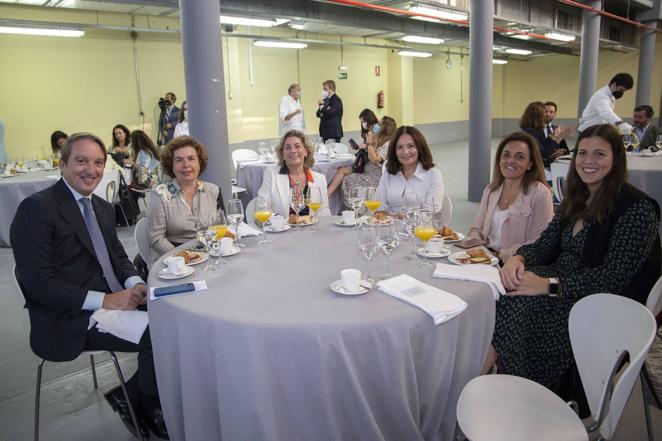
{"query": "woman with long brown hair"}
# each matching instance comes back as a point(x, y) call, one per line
point(533, 123)
point(605, 239)
point(517, 205)
point(145, 157)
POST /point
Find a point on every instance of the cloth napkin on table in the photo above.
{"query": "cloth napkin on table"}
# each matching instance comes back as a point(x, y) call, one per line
point(246, 230)
point(477, 273)
point(127, 325)
point(441, 305)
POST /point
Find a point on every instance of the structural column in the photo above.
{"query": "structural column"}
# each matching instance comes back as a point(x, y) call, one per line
point(205, 86)
point(646, 59)
point(480, 96)
point(588, 63)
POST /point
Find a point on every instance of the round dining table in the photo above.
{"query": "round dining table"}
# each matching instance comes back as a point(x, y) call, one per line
point(250, 175)
point(269, 352)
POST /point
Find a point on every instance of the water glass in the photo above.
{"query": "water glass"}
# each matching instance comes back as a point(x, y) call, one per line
point(262, 214)
point(388, 240)
point(236, 216)
point(313, 199)
point(367, 246)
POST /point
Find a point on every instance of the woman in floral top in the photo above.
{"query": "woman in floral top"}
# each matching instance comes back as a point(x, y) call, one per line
point(605, 239)
point(186, 204)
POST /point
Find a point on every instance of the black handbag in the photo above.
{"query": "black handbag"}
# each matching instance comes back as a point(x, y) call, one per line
point(361, 160)
point(127, 208)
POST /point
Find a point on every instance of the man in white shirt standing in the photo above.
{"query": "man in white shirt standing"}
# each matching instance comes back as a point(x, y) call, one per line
point(600, 108)
point(291, 113)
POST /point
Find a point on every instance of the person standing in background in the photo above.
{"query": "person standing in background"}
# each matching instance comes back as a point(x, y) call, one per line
point(330, 112)
point(182, 125)
point(168, 118)
point(290, 113)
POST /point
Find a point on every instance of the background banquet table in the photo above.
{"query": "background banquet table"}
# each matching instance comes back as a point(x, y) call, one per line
point(269, 352)
point(249, 176)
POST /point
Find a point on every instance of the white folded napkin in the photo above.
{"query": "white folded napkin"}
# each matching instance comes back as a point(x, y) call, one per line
point(477, 273)
point(127, 325)
point(246, 230)
point(441, 305)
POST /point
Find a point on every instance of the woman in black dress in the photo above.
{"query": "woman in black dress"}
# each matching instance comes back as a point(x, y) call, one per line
point(605, 239)
point(533, 123)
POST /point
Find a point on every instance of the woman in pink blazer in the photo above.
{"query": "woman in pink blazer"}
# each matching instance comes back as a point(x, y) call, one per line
point(517, 205)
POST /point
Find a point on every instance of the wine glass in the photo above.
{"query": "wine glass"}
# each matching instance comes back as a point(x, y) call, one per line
point(207, 237)
point(627, 142)
point(372, 203)
point(356, 199)
point(221, 228)
point(410, 220)
point(424, 231)
point(297, 200)
point(367, 246)
point(388, 240)
point(236, 216)
point(262, 214)
point(313, 199)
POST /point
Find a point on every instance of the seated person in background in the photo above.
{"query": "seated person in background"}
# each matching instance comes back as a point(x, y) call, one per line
point(409, 169)
point(120, 151)
point(71, 263)
point(185, 205)
point(293, 171)
point(181, 129)
point(57, 141)
point(646, 132)
point(145, 157)
point(605, 239)
point(517, 206)
point(559, 148)
point(532, 122)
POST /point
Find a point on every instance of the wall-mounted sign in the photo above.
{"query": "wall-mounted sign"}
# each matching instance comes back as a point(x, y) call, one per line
point(378, 71)
point(342, 75)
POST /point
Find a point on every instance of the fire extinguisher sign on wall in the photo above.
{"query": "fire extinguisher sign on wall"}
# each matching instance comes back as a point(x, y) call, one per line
point(380, 99)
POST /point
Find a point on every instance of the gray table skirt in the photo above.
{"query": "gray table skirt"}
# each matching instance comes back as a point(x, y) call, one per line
point(268, 352)
point(249, 176)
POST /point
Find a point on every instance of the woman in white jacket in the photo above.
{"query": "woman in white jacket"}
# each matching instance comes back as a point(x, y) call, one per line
point(295, 160)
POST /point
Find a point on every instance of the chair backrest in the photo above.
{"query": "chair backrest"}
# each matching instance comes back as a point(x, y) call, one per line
point(446, 210)
point(110, 192)
point(341, 148)
point(243, 154)
point(559, 172)
point(250, 212)
point(603, 328)
point(654, 302)
point(141, 238)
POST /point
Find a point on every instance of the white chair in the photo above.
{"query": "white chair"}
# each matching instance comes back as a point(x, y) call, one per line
point(19, 290)
point(243, 155)
point(610, 336)
point(654, 305)
point(341, 148)
point(559, 172)
point(141, 239)
point(446, 210)
point(250, 213)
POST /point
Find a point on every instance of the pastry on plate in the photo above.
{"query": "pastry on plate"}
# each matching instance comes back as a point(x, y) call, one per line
point(448, 234)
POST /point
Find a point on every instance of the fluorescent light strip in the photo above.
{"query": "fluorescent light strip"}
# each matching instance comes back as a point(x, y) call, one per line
point(280, 44)
point(415, 54)
point(42, 31)
point(560, 37)
point(521, 36)
point(497, 61)
point(423, 40)
point(519, 51)
point(245, 21)
point(441, 13)
point(298, 27)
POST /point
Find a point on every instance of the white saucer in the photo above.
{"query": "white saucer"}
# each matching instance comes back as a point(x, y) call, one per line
point(167, 275)
point(445, 252)
point(338, 288)
point(235, 250)
point(281, 229)
point(341, 223)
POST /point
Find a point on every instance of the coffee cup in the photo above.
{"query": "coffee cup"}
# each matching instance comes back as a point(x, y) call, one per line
point(226, 245)
point(175, 264)
point(351, 279)
point(348, 217)
point(435, 245)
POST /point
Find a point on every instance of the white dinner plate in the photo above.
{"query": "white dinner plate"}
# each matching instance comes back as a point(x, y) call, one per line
point(305, 224)
point(444, 252)
point(338, 288)
point(460, 237)
point(282, 228)
point(167, 275)
point(342, 223)
point(457, 258)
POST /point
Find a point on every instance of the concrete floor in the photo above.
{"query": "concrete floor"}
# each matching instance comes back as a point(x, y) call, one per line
point(72, 410)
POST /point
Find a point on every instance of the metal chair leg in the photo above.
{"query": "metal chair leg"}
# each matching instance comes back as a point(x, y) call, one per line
point(94, 372)
point(124, 214)
point(649, 426)
point(126, 395)
point(36, 400)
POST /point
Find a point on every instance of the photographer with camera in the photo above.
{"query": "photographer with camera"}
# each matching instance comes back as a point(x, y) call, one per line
point(168, 118)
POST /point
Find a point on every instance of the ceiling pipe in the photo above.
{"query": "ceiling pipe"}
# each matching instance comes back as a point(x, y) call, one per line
point(638, 24)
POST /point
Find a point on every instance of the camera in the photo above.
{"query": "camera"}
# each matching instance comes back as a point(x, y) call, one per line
point(163, 103)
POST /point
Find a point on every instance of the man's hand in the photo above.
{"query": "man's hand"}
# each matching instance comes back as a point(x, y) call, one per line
point(127, 299)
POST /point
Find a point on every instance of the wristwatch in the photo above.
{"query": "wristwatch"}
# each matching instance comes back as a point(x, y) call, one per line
point(554, 288)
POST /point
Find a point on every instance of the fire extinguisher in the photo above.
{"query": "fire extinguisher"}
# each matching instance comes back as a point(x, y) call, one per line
point(380, 99)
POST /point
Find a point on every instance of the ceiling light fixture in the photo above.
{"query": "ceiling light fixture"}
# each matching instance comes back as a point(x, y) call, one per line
point(443, 14)
point(422, 40)
point(280, 44)
point(497, 61)
point(245, 21)
point(521, 36)
point(519, 51)
point(298, 27)
point(415, 54)
point(560, 37)
point(50, 32)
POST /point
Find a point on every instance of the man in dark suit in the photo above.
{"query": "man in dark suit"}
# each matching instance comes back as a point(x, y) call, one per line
point(552, 131)
point(70, 263)
point(330, 112)
point(645, 130)
point(168, 119)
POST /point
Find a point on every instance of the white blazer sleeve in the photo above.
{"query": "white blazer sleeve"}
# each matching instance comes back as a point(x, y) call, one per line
point(436, 189)
point(269, 191)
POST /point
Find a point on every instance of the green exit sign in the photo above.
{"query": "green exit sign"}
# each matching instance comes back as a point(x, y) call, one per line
point(342, 75)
